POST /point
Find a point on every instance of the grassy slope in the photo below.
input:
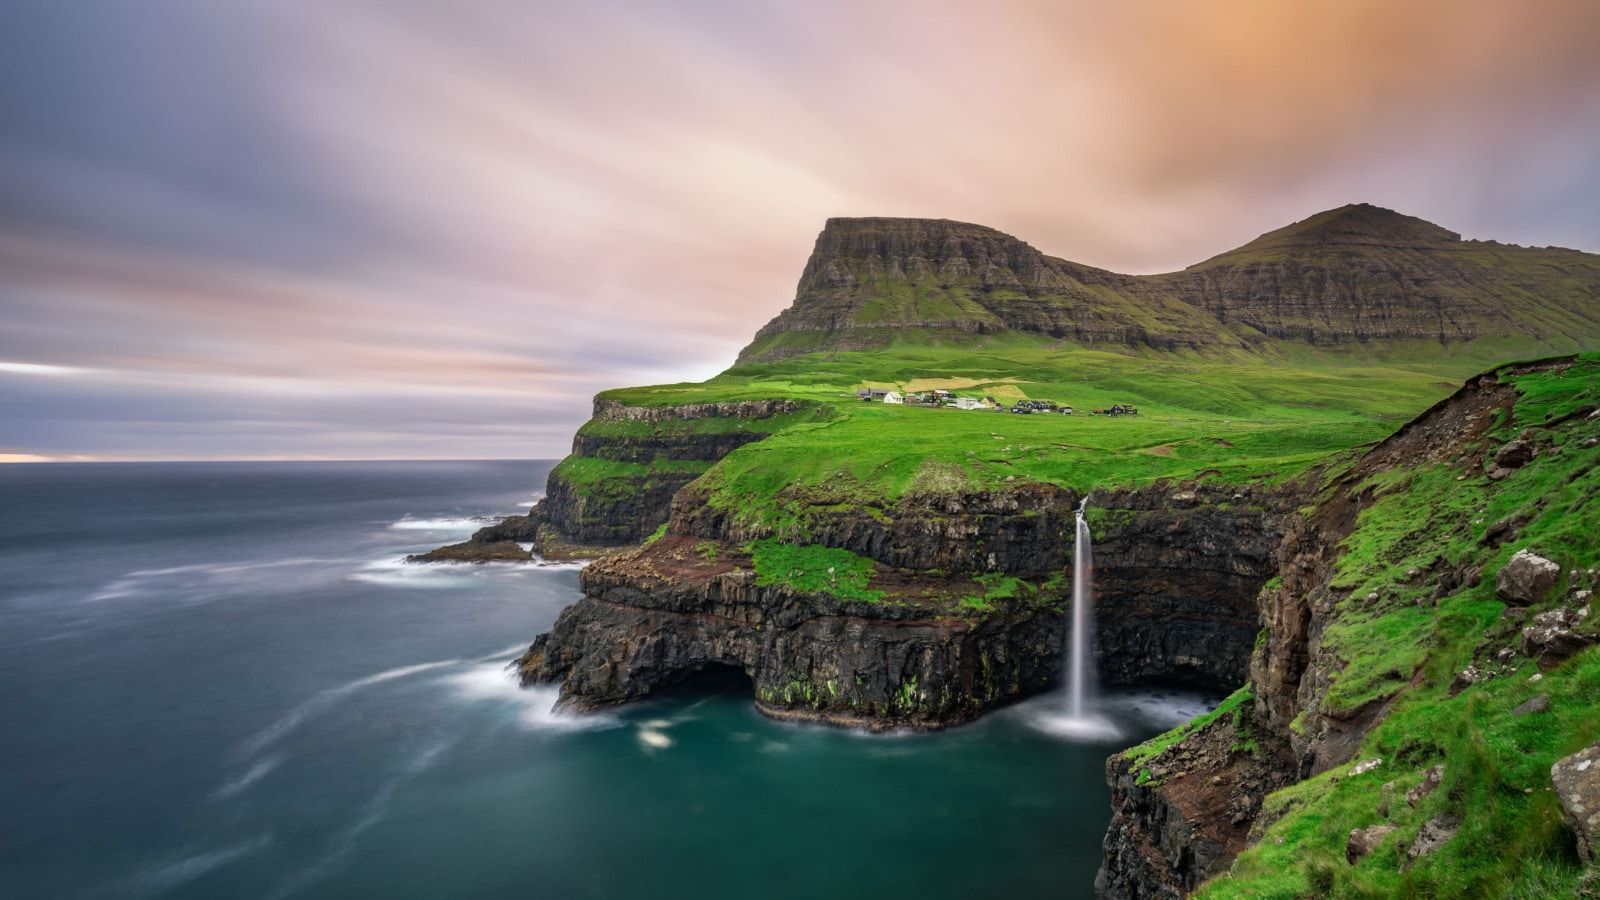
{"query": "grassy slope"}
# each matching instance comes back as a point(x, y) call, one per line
point(1512, 843)
point(1234, 420)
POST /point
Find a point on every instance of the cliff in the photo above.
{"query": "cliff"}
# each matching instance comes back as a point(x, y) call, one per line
point(1354, 277)
point(959, 606)
point(1399, 634)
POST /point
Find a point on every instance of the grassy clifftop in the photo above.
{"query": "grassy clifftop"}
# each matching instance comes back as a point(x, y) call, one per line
point(1443, 675)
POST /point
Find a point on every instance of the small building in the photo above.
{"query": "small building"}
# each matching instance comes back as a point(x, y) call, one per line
point(870, 395)
point(1065, 410)
point(893, 397)
point(968, 403)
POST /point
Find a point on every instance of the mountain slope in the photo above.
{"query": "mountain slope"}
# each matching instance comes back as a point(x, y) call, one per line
point(1355, 278)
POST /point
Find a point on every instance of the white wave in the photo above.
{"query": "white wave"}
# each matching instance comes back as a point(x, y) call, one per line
point(254, 774)
point(210, 576)
point(168, 876)
point(321, 701)
point(396, 572)
point(456, 523)
point(535, 706)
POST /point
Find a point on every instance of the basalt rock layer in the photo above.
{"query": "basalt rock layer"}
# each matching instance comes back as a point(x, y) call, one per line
point(661, 615)
point(1177, 568)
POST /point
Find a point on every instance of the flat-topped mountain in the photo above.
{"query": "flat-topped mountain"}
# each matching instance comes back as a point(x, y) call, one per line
point(1357, 277)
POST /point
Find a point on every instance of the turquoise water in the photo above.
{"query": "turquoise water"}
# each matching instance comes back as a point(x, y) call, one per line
point(220, 681)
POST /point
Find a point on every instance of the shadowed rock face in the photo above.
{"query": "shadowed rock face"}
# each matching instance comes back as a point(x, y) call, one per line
point(656, 617)
point(1177, 581)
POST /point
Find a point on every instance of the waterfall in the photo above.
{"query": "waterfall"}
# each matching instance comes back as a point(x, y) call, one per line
point(1080, 643)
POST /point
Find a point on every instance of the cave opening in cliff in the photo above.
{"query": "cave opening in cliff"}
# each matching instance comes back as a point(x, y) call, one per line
point(710, 679)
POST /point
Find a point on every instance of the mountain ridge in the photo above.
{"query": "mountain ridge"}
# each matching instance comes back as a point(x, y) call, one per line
point(1340, 279)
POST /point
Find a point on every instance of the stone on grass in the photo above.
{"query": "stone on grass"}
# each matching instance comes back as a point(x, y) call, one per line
point(1526, 578)
point(1435, 833)
point(1551, 641)
point(1537, 705)
point(1515, 454)
point(1430, 783)
point(1364, 840)
point(1366, 765)
point(1576, 780)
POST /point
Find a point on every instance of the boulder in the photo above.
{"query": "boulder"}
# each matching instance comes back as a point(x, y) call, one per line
point(1364, 840)
point(1515, 454)
point(1435, 833)
point(1430, 783)
point(1526, 578)
point(1576, 780)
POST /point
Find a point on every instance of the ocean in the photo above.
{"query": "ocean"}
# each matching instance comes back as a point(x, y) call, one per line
point(221, 680)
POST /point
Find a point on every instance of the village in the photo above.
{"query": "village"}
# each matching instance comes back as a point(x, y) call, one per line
point(940, 399)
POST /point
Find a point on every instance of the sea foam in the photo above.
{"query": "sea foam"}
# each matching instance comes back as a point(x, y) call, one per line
point(535, 707)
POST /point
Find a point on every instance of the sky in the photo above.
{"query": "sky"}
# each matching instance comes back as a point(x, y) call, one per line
point(409, 229)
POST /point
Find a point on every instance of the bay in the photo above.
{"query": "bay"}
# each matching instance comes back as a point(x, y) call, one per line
point(220, 680)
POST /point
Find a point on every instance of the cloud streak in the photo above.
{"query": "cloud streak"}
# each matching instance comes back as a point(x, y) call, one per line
point(406, 228)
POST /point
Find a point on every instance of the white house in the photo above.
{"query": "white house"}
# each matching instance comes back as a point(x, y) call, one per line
point(893, 397)
point(968, 403)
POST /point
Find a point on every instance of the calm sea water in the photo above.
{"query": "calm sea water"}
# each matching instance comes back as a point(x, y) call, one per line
point(219, 680)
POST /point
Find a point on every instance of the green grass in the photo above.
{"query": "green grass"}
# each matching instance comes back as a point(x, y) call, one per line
point(1512, 842)
point(999, 590)
point(1232, 706)
point(813, 569)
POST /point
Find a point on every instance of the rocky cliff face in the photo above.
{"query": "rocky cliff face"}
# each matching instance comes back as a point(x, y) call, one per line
point(1358, 275)
point(661, 615)
point(628, 462)
point(1178, 568)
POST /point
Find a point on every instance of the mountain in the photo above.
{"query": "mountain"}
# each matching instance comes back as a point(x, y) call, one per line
point(1357, 278)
